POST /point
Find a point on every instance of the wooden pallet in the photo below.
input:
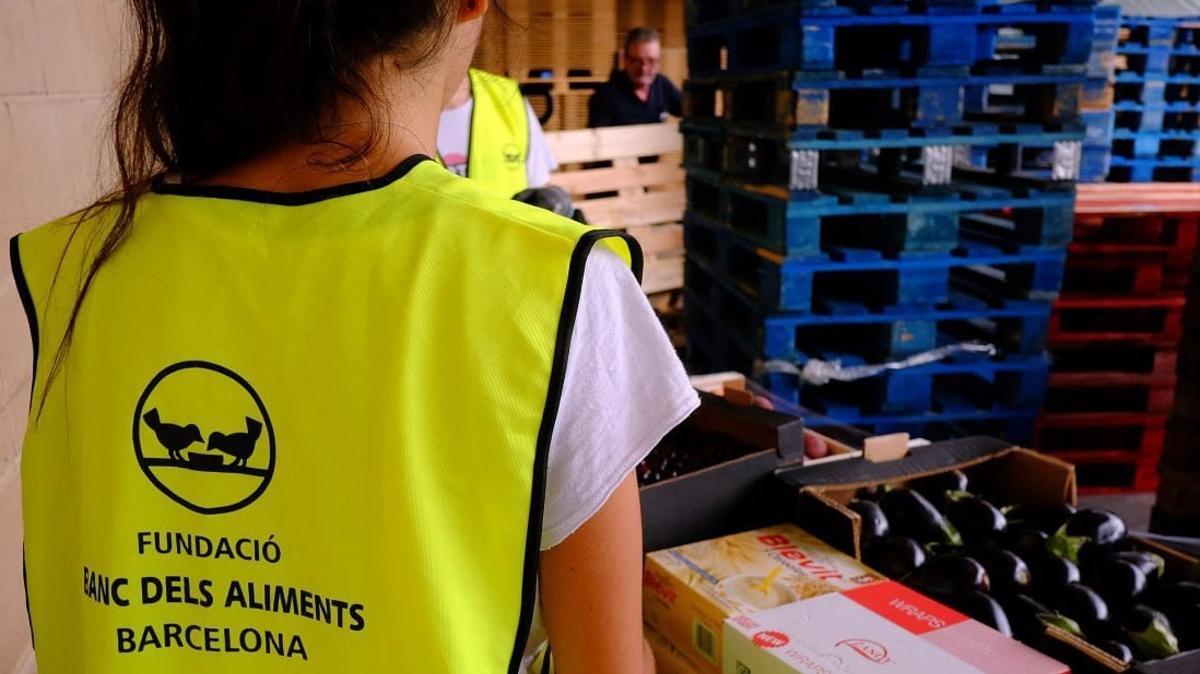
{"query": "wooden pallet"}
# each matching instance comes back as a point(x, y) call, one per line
point(649, 197)
point(1110, 198)
point(1127, 446)
point(561, 37)
point(1087, 319)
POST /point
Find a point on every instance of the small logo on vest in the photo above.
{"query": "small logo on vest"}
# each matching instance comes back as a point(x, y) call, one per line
point(512, 156)
point(202, 436)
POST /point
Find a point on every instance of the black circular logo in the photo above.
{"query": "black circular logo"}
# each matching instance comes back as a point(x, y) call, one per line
point(203, 436)
point(513, 156)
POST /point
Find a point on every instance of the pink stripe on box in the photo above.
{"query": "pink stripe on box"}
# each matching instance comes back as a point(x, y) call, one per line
point(905, 608)
point(980, 646)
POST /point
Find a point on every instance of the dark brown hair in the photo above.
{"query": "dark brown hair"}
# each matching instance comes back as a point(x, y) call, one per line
point(213, 83)
point(639, 35)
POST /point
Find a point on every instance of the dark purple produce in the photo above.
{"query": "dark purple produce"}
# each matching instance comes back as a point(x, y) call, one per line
point(895, 557)
point(910, 514)
point(949, 574)
point(1150, 632)
point(1100, 528)
point(976, 520)
point(1047, 519)
point(874, 522)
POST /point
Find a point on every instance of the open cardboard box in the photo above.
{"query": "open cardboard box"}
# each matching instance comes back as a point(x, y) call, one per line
point(731, 496)
point(997, 471)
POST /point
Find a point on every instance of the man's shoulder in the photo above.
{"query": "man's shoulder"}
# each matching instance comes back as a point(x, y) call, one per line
point(664, 82)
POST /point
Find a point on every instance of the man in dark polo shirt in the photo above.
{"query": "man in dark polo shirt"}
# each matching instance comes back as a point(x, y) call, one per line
point(638, 94)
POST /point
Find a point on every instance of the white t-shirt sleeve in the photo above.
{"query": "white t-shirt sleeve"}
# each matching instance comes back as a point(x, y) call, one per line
point(623, 390)
point(540, 163)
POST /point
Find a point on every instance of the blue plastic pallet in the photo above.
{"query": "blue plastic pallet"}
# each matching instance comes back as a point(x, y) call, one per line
point(766, 147)
point(867, 276)
point(1095, 164)
point(1015, 327)
point(902, 40)
point(1168, 170)
point(1135, 117)
point(1150, 62)
point(1156, 145)
point(1154, 31)
point(785, 100)
point(949, 386)
point(908, 216)
point(1156, 91)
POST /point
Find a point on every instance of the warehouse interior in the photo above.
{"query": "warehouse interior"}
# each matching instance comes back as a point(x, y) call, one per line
point(937, 250)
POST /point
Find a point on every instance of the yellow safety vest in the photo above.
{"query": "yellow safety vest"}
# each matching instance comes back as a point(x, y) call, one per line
point(296, 432)
point(499, 145)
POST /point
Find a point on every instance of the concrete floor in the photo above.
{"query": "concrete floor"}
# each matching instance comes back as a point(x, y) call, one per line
point(1133, 508)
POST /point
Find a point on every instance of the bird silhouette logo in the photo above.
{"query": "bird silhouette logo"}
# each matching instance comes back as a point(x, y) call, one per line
point(183, 405)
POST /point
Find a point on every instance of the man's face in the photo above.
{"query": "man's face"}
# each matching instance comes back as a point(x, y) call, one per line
point(642, 61)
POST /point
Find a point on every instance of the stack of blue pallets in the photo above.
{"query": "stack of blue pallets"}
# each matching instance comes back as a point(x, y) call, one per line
point(1157, 101)
point(860, 191)
point(1097, 107)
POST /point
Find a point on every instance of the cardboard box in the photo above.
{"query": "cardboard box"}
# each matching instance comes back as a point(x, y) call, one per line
point(998, 471)
point(731, 496)
point(689, 591)
point(667, 658)
point(882, 627)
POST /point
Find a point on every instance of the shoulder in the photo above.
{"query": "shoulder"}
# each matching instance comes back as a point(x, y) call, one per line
point(492, 78)
point(66, 234)
point(463, 201)
point(665, 82)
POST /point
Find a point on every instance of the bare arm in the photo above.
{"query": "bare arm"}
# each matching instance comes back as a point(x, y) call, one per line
point(591, 587)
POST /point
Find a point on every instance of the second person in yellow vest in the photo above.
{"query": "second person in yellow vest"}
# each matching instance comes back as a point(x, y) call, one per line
point(489, 133)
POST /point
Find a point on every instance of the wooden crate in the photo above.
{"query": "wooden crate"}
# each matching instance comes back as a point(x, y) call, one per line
point(649, 199)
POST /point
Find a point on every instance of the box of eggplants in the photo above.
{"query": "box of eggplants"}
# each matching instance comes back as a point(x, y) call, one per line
point(1068, 582)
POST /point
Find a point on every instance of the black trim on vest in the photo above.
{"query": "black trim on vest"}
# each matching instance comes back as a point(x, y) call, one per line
point(18, 271)
point(25, 582)
point(290, 198)
point(558, 369)
point(471, 127)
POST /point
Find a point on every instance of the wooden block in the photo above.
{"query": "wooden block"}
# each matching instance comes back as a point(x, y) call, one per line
point(883, 448)
point(651, 208)
point(663, 274)
point(618, 177)
point(657, 239)
point(639, 140)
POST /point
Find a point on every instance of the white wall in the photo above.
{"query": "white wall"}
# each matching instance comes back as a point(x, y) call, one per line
point(58, 60)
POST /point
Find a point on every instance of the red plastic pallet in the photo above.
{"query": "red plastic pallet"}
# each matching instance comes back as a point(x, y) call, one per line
point(1131, 441)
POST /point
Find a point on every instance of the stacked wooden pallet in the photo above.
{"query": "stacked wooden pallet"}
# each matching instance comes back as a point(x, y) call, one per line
point(1115, 332)
point(559, 50)
point(629, 178)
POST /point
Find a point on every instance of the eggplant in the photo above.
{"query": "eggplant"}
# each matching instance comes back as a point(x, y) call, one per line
point(1007, 573)
point(1186, 622)
point(934, 487)
point(1174, 595)
point(1151, 564)
point(949, 574)
point(1101, 528)
point(895, 557)
point(1051, 573)
point(1150, 632)
point(1120, 583)
point(1026, 542)
point(874, 522)
point(982, 608)
point(1081, 604)
point(1030, 617)
point(910, 514)
point(976, 520)
point(1047, 519)
point(1116, 649)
